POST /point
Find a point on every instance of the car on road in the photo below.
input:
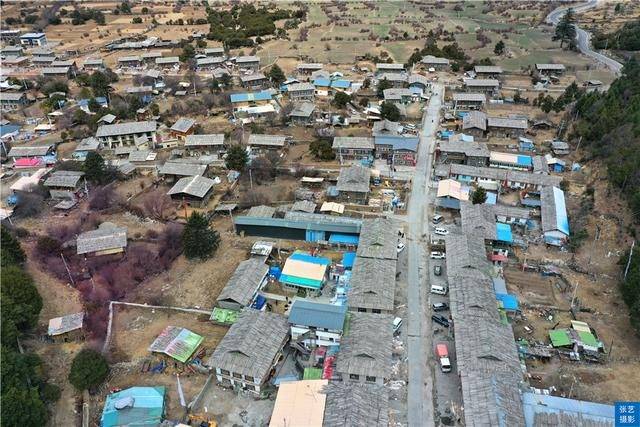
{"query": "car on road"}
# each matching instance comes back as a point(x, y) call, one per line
point(441, 231)
point(440, 306)
point(441, 320)
point(400, 247)
point(437, 270)
point(437, 255)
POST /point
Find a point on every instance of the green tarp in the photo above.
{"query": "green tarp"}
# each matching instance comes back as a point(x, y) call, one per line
point(224, 316)
point(559, 338)
point(312, 374)
point(588, 339)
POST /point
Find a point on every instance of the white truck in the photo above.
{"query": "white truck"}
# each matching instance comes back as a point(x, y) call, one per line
point(443, 356)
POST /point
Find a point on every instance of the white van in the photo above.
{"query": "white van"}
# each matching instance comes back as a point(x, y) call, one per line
point(437, 289)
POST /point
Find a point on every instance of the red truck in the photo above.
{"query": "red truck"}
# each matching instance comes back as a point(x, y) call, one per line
point(443, 356)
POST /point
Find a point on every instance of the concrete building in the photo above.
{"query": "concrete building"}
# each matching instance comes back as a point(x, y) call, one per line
point(353, 184)
point(33, 39)
point(248, 63)
point(353, 148)
point(316, 324)
point(250, 350)
point(301, 92)
point(205, 145)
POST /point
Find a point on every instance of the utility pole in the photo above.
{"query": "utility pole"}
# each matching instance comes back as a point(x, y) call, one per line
point(626, 269)
point(250, 179)
point(67, 268)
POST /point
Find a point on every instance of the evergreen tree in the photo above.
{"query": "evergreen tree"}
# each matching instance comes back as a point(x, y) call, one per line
point(566, 30)
point(200, 241)
point(21, 302)
point(499, 48)
point(382, 85)
point(389, 111)
point(479, 196)
point(94, 168)
point(88, 369)
point(341, 99)
point(276, 75)
point(12, 253)
point(236, 158)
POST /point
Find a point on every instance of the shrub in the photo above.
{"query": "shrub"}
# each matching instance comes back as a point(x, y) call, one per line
point(88, 370)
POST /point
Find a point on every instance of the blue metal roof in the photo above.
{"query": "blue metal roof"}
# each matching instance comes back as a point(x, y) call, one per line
point(562, 220)
point(499, 285)
point(300, 256)
point(7, 129)
point(336, 225)
point(581, 411)
point(318, 315)
point(322, 82)
point(525, 160)
point(251, 96)
point(147, 407)
point(503, 233)
point(341, 84)
point(398, 142)
point(348, 258)
point(509, 302)
point(346, 239)
point(492, 198)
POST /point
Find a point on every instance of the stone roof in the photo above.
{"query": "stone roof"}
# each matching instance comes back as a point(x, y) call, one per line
point(499, 174)
point(481, 83)
point(366, 349)
point(212, 139)
point(127, 128)
point(33, 151)
point(378, 239)
point(267, 140)
point(251, 344)
point(354, 178)
point(107, 236)
point(197, 186)
point(469, 149)
point(550, 67)
point(372, 284)
point(67, 179)
point(299, 87)
point(490, 69)
point(304, 206)
point(430, 59)
point(252, 77)
point(505, 122)
point(468, 96)
point(303, 109)
point(474, 120)
point(261, 211)
point(246, 59)
point(356, 405)
point(478, 219)
point(182, 169)
point(182, 125)
point(244, 282)
point(353, 143)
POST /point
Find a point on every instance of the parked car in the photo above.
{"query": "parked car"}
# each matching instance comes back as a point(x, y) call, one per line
point(401, 247)
point(441, 320)
point(441, 231)
point(440, 306)
point(437, 255)
point(439, 290)
point(437, 270)
point(437, 219)
point(397, 322)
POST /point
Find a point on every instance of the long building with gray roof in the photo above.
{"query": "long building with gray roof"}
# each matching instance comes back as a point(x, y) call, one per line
point(378, 239)
point(372, 285)
point(359, 405)
point(243, 284)
point(107, 239)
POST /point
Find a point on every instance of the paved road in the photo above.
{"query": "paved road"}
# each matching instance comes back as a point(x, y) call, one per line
point(420, 387)
point(583, 37)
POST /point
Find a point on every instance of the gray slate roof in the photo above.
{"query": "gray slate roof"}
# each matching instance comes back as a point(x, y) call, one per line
point(107, 236)
point(318, 315)
point(385, 127)
point(88, 144)
point(474, 120)
point(469, 149)
point(366, 349)
point(11, 96)
point(550, 67)
point(373, 283)
point(183, 124)
point(252, 77)
point(261, 211)
point(304, 206)
point(481, 83)
point(505, 122)
point(303, 109)
point(468, 96)
point(212, 139)
point(300, 87)
point(167, 60)
point(430, 59)
point(499, 174)
point(33, 151)
point(350, 404)
point(244, 282)
point(491, 69)
point(247, 59)
point(127, 128)
point(354, 178)
point(266, 140)
point(378, 239)
point(251, 344)
point(478, 219)
point(353, 142)
point(197, 186)
point(182, 169)
point(139, 155)
point(63, 179)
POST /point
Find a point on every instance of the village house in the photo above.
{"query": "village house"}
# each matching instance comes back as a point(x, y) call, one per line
point(121, 134)
point(40, 52)
point(302, 271)
point(560, 148)
point(356, 404)
point(302, 113)
point(205, 145)
point(418, 83)
point(129, 61)
point(16, 61)
point(316, 324)
point(555, 222)
point(308, 68)
point(57, 72)
point(11, 51)
point(397, 96)
point(143, 93)
point(10, 101)
point(194, 190)
point(486, 86)
point(398, 150)
point(108, 239)
point(36, 156)
point(301, 92)
point(250, 350)
point(263, 144)
point(365, 351)
point(510, 161)
point(150, 57)
point(353, 184)
point(42, 61)
point(33, 39)
point(10, 36)
point(173, 171)
point(474, 123)
point(85, 146)
point(253, 103)
point(450, 193)
point(254, 81)
point(248, 63)
point(353, 148)
point(167, 62)
point(493, 179)
point(176, 343)
point(300, 403)
point(505, 127)
point(488, 71)
point(243, 285)
point(214, 52)
point(437, 63)
point(372, 286)
point(93, 64)
point(462, 152)
point(182, 128)
point(64, 184)
point(548, 69)
point(390, 68)
point(67, 328)
point(396, 80)
point(469, 101)
point(209, 63)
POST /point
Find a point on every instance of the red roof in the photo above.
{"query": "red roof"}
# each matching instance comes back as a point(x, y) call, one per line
point(28, 162)
point(498, 257)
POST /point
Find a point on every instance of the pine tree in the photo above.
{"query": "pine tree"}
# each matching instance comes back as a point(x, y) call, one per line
point(499, 48)
point(276, 75)
point(479, 196)
point(88, 369)
point(236, 158)
point(200, 241)
point(566, 30)
point(12, 253)
point(94, 168)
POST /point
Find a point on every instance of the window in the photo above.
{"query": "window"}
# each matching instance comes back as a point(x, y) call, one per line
point(375, 310)
point(248, 378)
point(237, 375)
point(371, 379)
point(354, 376)
point(224, 372)
point(362, 310)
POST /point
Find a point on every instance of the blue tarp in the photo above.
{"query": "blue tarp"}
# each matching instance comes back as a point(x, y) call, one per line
point(7, 129)
point(310, 258)
point(341, 84)
point(492, 198)
point(503, 233)
point(259, 302)
point(348, 258)
point(275, 271)
point(345, 239)
point(562, 221)
point(525, 161)
point(264, 95)
point(147, 407)
point(509, 302)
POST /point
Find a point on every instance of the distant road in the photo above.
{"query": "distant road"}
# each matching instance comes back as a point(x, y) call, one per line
point(583, 37)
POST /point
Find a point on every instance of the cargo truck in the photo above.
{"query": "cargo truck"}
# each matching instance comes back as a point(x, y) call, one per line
point(443, 356)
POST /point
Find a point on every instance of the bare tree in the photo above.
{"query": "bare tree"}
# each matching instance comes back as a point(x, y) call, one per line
point(158, 205)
